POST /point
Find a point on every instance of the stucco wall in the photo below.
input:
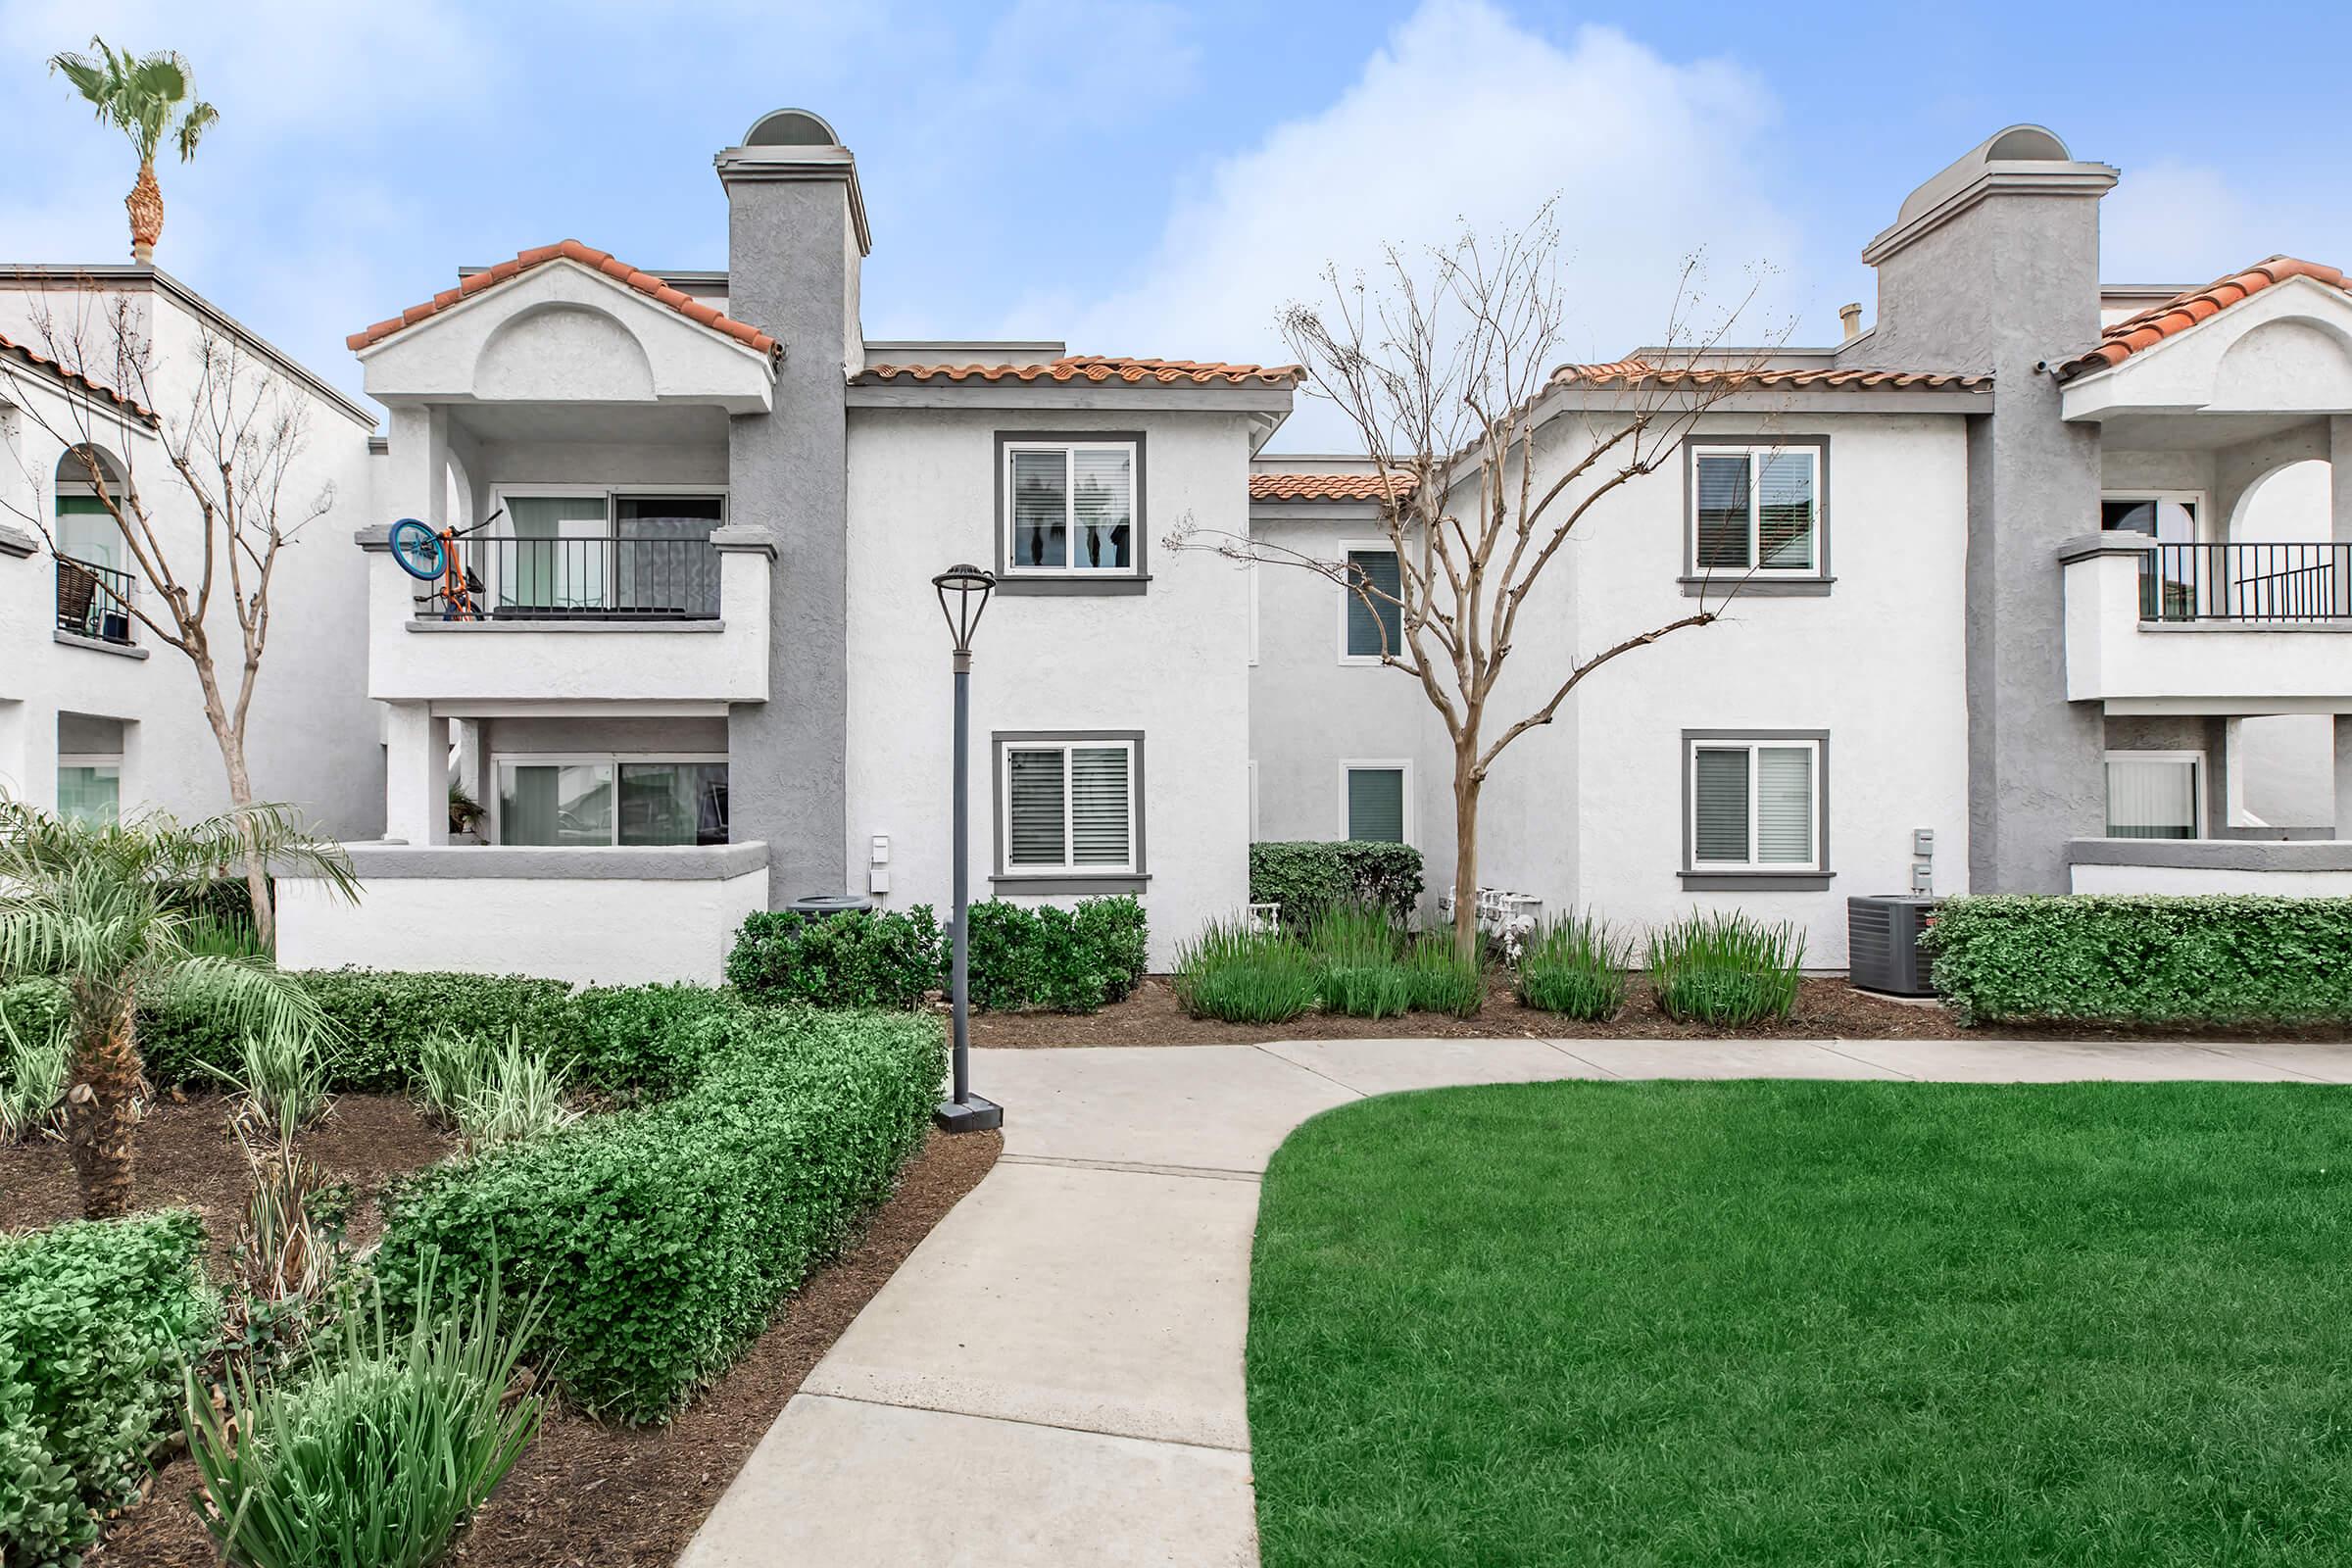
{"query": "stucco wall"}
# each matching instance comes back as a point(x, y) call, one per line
point(1170, 662)
point(607, 930)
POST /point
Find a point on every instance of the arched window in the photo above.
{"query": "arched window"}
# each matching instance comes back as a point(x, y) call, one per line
point(93, 575)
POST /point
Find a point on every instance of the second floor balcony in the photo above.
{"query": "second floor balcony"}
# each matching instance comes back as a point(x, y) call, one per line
point(94, 600)
point(2217, 628)
point(634, 577)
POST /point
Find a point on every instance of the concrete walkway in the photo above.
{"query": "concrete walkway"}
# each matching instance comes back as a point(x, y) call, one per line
point(1055, 1376)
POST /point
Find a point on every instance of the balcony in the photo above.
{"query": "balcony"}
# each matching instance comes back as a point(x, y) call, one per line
point(2208, 628)
point(93, 602)
point(609, 620)
point(612, 579)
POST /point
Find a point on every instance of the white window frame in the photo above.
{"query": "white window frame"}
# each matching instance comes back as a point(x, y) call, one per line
point(2199, 782)
point(92, 761)
point(498, 761)
point(1381, 765)
point(1751, 744)
point(1015, 869)
point(612, 494)
point(1069, 509)
point(1346, 547)
point(1754, 451)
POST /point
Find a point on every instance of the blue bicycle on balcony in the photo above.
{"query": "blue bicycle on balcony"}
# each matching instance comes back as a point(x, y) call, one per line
point(431, 557)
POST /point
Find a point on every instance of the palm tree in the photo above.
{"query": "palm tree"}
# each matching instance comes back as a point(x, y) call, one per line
point(102, 911)
point(141, 96)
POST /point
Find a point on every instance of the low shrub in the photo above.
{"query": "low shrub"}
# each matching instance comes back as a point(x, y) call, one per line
point(97, 1319)
point(854, 959)
point(1307, 877)
point(1442, 982)
point(1574, 965)
point(639, 1041)
point(379, 1453)
point(35, 1053)
point(378, 1020)
point(1060, 960)
point(1243, 974)
point(2146, 959)
point(664, 1235)
point(1724, 966)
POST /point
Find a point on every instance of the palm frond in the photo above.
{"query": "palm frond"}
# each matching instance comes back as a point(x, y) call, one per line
point(201, 118)
point(248, 995)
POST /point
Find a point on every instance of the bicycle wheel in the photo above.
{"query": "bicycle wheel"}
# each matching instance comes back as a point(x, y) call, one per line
point(419, 550)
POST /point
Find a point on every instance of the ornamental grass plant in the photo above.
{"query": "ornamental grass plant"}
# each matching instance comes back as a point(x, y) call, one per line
point(1242, 973)
point(1574, 965)
point(1725, 966)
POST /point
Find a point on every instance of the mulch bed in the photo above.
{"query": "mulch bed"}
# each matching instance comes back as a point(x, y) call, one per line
point(584, 1494)
point(1826, 1007)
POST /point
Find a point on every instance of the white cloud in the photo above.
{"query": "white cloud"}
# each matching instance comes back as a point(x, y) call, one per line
point(2171, 223)
point(1464, 116)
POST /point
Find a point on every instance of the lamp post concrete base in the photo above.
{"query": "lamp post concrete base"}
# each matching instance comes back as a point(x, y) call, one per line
point(971, 1114)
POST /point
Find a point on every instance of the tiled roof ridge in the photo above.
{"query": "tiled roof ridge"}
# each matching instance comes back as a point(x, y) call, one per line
point(1098, 367)
point(1287, 485)
point(74, 378)
point(2151, 326)
point(587, 255)
point(1633, 372)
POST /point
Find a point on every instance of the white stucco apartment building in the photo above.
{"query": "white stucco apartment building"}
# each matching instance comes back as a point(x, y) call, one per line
point(2046, 586)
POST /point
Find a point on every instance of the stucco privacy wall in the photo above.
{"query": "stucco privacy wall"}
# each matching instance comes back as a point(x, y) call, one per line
point(312, 738)
point(1877, 663)
point(565, 914)
point(1170, 662)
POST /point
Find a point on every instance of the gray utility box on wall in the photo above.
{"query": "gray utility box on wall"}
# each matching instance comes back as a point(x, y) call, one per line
point(1881, 938)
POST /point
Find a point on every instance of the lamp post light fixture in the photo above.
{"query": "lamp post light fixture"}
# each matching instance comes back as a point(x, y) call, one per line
point(963, 592)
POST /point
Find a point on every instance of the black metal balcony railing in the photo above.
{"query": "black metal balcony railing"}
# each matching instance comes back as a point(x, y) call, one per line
point(580, 579)
point(2248, 583)
point(94, 601)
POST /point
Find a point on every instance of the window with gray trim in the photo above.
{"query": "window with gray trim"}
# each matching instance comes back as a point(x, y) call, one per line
point(1755, 511)
point(1371, 604)
point(1069, 805)
point(1069, 507)
point(1755, 804)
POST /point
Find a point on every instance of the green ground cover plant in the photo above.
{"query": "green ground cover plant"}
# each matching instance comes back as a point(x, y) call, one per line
point(1837, 1324)
point(97, 1317)
point(2146, 960)
point(1725, 966)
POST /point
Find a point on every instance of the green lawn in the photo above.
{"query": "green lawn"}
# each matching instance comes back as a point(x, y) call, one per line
point(1837, 1323)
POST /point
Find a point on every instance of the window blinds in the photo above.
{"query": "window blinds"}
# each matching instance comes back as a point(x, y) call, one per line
point(1035, 809)
point(1376, 804)
point(1784, 510)
point(1719, 795)
point(1103, 489)
point(1722, 537)
point(1070, 807)
point(1368, 624)
point(1040, 509)
point(1785, 804)
point(2152, 798)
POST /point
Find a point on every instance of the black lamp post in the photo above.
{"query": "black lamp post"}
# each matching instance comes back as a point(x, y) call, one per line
point(963, 592)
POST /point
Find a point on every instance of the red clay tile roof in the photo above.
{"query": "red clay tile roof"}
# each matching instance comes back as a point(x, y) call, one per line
point(2178, 313)
point(1630, 372)
point(1326, 486)
point(72, 378)
point(645, 283)
point(1097, 367)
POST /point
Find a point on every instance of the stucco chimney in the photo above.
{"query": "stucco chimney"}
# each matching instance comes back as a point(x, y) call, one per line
point(1851, 317)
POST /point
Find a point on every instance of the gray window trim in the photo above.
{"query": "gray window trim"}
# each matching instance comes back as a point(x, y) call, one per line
point(1082, 883)
point(1716, 879)
point(1107, 584)
point(1792, 585)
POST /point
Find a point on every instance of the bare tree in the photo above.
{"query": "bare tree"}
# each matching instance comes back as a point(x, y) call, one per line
point(1452, 384)
point(210, 538)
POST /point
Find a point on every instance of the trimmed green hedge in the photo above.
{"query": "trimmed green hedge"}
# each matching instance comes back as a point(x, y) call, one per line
point(1307, 877)
point(97, 1318)
point(1067, 960)
point(381, 1017)
point(2174, 961)
point(1063, 960)
point(663, 1236)
point(852, 959)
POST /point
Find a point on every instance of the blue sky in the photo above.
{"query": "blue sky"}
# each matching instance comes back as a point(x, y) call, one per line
point(1161, 178)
